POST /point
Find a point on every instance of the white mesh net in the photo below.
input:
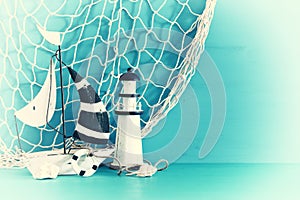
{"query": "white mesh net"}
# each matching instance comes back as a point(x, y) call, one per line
point(161, 40)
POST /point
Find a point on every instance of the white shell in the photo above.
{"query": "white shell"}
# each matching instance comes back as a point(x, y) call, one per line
point(144, 171)
point(44, 170)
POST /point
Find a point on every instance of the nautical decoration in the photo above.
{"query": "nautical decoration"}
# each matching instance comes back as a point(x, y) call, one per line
point(81, 171)
point(37, 112)
point(44, 170)
point(147, 169)
point(175, 58)
point(44, 164)
point(128, 140)
point(93, 122)
point(51, 36)
point(54, 38)
point(48, 160)
point(144, 171)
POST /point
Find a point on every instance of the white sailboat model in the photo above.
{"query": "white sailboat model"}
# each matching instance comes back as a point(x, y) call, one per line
point(49, 164)
point(37, 112)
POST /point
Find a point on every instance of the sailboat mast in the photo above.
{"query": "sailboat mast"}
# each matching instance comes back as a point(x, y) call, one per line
point(62, 99)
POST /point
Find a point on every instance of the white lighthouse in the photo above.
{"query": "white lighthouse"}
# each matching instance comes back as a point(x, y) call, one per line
point(128, 148)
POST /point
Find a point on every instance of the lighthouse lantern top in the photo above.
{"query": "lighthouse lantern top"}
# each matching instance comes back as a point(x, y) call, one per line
point(129, 76)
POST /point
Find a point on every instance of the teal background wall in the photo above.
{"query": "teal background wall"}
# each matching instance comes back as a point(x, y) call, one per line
point(255, 46)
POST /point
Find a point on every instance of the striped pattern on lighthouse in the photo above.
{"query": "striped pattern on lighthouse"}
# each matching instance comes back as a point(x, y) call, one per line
point(93, 122)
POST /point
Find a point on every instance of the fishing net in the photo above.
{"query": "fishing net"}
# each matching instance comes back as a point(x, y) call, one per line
point(161, 40)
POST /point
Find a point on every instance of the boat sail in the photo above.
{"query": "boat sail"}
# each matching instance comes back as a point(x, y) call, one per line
point(51, 36)
point(93, 122)
point(39, 110)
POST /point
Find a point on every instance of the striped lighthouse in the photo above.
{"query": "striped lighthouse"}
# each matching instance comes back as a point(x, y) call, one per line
point(128, 148)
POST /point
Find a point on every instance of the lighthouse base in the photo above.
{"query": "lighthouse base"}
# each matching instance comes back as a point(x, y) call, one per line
point(128, 148)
